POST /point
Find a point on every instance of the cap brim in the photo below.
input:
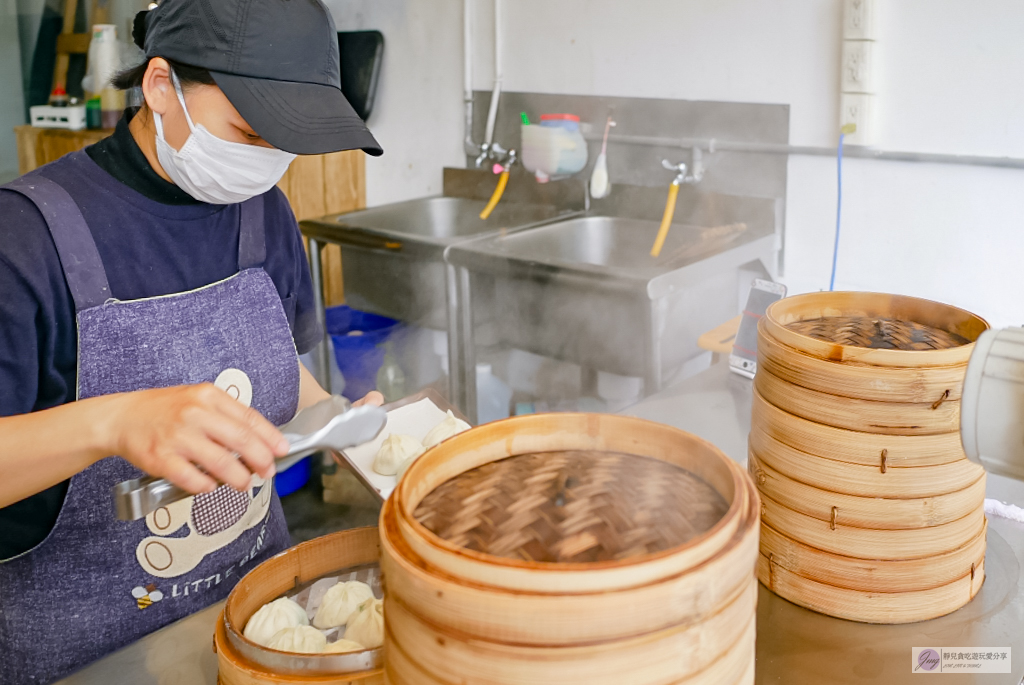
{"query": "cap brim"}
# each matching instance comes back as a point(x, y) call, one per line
point(301, 118)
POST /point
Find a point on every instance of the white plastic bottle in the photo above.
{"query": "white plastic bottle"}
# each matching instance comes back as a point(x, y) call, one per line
point(493, 396)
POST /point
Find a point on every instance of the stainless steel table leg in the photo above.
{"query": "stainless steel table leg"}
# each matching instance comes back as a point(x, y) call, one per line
point(652, 347)
point(322, 352)
point(461, 350)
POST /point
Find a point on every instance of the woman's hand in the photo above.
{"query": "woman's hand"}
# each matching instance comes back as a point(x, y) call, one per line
point(174, 432)
point(373, 398)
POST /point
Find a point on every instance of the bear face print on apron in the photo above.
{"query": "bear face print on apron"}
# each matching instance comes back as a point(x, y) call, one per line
point(96, 584)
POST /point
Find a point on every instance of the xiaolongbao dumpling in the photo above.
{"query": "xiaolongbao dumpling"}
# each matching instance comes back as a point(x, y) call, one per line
point(394, 450)
point(340, 602)
point(272, 617)
point(343, 646)
point(367, 625)
point(444, 430)
point(405, 464)
point(300, 639)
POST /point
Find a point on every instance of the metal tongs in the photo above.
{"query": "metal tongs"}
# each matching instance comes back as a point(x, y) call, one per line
point(329, 424)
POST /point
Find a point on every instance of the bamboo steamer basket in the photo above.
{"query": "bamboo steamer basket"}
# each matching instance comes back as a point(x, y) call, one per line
point(683, 613)
point(869, 416)
point(868, 449)
point(866, 481)
point(866, 512)
point(734, 666)
point(273, 578)
point(868, 575)
point(870, 510)
point(870, 606)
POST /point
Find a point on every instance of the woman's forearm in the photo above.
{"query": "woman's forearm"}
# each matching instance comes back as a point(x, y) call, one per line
point(41, 449)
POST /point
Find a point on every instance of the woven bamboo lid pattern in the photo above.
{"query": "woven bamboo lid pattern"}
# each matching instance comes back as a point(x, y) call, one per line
point(878, 333)
point(572, 507)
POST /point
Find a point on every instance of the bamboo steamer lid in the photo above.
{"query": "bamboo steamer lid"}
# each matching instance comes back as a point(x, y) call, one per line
point(916, 315)
point(839, 444)
point(871, 575)
point(854, 379)
point(561, 432)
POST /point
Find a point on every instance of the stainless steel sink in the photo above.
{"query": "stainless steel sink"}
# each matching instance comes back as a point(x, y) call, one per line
point(586, 289)
point(392, 256)
point(441, 219)
point(619, 245)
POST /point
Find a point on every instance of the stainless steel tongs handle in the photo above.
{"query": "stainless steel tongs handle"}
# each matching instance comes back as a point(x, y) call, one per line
point(325, 425)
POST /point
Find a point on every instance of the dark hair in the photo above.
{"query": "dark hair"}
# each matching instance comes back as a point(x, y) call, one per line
point(187, 74)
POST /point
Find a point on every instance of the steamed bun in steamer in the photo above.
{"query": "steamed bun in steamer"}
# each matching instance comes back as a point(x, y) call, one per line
point(367, 625)
point(300, 640)
point(340, 602)
point(273, 617)
point(343, 646)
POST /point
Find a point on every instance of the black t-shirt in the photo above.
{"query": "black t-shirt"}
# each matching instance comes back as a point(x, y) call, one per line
point(154, 239)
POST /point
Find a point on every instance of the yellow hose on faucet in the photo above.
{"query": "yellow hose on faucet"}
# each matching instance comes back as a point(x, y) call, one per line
point(493, 202)
point(666, 220)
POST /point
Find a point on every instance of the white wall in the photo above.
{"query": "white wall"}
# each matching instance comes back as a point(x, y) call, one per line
point(951, 82)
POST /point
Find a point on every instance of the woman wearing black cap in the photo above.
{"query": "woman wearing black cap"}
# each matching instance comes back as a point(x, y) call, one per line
point(159, 278)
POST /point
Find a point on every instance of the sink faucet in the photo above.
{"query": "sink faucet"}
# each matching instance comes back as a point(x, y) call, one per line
point(493, 151)
point(681, 169)
point(673, 193)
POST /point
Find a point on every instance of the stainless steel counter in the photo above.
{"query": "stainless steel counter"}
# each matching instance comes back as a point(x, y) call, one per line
point(800, 647)
point(794, 646)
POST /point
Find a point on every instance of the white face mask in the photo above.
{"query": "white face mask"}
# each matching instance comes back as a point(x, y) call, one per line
point(215, 170)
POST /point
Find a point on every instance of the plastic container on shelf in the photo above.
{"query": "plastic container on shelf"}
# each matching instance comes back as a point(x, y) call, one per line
point(493, 396)
point(555, 147)
point(359, 339)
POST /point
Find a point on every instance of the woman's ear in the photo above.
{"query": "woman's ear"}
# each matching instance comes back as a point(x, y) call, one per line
point(157, 87)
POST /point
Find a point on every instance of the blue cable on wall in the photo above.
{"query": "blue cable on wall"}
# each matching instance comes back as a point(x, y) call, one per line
point(839, 209)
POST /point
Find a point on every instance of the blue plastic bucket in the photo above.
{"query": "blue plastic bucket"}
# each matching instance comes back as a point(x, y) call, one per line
point(358, 339)
point(294, 477)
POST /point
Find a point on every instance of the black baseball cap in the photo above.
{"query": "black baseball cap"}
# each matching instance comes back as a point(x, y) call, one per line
point(276, 61)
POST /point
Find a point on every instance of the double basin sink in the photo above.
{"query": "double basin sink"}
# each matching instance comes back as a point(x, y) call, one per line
point(565, 284)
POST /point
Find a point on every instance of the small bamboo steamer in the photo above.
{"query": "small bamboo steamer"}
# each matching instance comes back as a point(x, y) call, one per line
point(459, 616)
point(866, 512)
point(295, 566)
point(868, 416)
point(865, 481)
point(554, 432)
point(664, 656)
point(865, 543)
point(871, 575)
point(870, 607)
point(528, 618)
point(735, 666)
point(877, 306)
point(921, 384)
point(839, 444)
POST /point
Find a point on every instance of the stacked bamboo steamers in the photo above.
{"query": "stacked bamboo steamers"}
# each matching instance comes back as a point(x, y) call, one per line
point(870, 509)
point(571, 549)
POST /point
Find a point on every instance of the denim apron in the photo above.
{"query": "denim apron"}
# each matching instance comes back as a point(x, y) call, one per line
point(95, 584)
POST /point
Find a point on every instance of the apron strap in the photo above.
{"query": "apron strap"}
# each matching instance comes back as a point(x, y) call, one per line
point(252, 242)
point(79, 258)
